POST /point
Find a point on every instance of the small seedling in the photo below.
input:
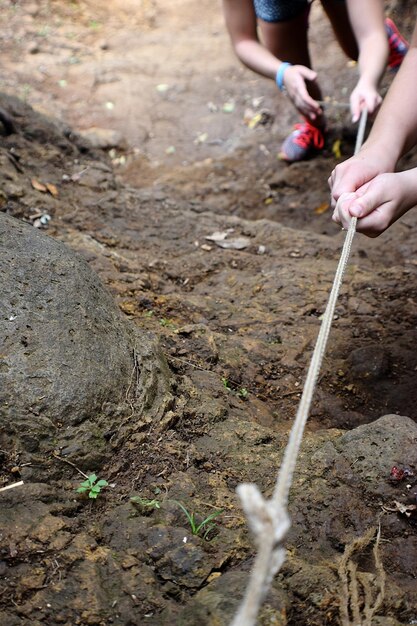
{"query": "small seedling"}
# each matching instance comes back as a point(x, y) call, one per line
point(225, 383)
point(94, 24)
point(92, 486)
point(165, 322)
point(243, 393)
point(203, 528)
point(144, 502)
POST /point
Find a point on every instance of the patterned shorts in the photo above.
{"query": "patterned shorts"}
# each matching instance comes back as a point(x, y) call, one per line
point(280, 10)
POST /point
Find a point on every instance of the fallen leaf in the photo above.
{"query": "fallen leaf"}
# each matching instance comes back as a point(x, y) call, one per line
point(201, 138)
point(322, 208)
point(240, 243)
point(52, 190)
point(127, 307)
point(336, 149)
point(219, 235)
point(228, 107)
point(402, 508)
point(255, 120)
point(38, 186)
point(268, 200)
point(256, 102)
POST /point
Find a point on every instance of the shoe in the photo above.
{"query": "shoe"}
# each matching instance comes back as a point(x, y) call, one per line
point(398, 46)
point(302, 143)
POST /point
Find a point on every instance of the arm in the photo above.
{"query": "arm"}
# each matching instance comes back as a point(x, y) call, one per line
point(367, 19)
point(242, 26)
point(381, 197)
point(241, 23)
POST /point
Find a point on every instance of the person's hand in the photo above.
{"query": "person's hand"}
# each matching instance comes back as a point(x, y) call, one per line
point(359, 170)
point(364, 96)
point(379, 203)
point(294, 80)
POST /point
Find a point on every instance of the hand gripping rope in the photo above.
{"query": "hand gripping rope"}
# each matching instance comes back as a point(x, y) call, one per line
point(268, 519)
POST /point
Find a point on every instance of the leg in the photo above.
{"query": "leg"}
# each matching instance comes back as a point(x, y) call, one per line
point(337, 13)
point(287, 40)
point(284, 32)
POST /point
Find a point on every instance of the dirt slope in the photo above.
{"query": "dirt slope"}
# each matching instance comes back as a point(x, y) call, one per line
point(157, 85)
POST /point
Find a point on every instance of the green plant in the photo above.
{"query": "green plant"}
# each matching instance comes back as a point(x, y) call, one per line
point(243, 393)
point(165, 322)
point(94, 25)
point(145, 502)
point(203, 528)
point(92, 486)
point(225, 383)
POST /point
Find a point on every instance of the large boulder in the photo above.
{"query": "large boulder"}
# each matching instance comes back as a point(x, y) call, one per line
point(72, 368)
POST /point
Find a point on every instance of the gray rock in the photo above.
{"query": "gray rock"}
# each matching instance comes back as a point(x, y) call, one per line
point(369, 362)
point(72, 367)
point(103, 138)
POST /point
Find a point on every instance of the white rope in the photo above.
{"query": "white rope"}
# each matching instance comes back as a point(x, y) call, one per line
point(268, 519)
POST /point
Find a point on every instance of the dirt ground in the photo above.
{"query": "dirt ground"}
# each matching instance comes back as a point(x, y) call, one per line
point(184, 144)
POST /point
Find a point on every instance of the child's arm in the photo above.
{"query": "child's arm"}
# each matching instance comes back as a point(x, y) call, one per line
point(367, 19)
point(241, 22)
point(394, 132)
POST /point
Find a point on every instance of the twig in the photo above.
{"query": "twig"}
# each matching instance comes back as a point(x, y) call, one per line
point(12, 486)
point(56, 456)
point(334, 103)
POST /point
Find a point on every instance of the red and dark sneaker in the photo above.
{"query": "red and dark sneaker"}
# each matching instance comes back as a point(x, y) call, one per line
point(304, 141)
point(398, 46)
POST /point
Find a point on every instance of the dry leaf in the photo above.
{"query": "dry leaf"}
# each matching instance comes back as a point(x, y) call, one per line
point(322, 208)
point(128, 307)
point(38, 186)
point(52, 190)
point(234, 244)
point(336, 149)
point(228, 107)
point(201, 138)
point(219, 235)
point(402, 508)
point(255, 120)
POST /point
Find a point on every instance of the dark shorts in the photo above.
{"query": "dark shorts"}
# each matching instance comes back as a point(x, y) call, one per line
point(280, 10)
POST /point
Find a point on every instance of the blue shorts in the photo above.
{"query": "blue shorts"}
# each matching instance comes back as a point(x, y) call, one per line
point(280, 10)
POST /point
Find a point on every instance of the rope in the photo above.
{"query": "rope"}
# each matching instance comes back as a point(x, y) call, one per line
point(291, 452)
point(268, 519)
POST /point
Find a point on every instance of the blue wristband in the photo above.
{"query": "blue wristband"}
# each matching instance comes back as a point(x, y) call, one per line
point(279, 79)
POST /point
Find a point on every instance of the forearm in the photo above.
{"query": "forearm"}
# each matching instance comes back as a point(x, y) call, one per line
point(372, 60)
point(408, 185)
point(395, 128)
point(257, 58)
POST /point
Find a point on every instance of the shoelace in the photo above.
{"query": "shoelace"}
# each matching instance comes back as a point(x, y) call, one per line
point(398, 46)
point(396, 54)
point(309, 136)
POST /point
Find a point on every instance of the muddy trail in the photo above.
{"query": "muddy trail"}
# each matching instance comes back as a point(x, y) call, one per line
point(137, 140)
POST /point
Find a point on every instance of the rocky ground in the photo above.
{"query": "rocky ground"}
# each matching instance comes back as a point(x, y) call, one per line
point(134, 138)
